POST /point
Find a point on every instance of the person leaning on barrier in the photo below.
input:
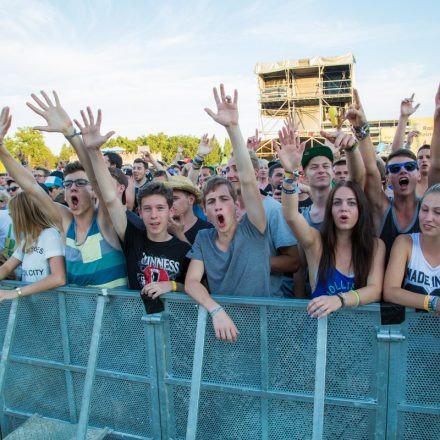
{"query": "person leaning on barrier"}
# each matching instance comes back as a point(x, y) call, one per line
point(234, 256)
point(40, 248)
point(156, 261)
point(345, 259)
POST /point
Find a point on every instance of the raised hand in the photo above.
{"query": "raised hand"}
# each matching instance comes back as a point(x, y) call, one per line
point(91, 131)
point(56, 117)
point(340, 139)
point(355, 113)
point(291, 149)
point(146, 154)
point(227, 111)
point(253, 142)
point(406, 106)
point(5, 123)
point(206, 145)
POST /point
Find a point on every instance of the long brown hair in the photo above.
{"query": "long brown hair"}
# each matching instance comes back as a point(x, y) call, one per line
point(28, 220)
point(363, 235)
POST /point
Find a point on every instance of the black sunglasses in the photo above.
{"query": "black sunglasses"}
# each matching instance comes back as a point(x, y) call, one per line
point(396, 167)
point(14, 188)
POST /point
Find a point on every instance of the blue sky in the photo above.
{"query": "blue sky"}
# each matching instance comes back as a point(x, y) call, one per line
point(151, 66)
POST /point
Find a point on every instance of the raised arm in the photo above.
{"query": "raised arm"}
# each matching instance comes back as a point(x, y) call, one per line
point(373, 184)
point(92, 139)
point(434, 170)
point(25, 178)
point(206, 145)
point(290, 153)
point(406, 110)
point(227, 115)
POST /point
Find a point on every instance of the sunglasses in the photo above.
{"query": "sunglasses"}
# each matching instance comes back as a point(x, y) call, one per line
point(14, 188)
point(396, 167)
point(78, 182)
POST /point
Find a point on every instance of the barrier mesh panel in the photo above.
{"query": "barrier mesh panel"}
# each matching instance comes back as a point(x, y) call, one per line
point(35, 389)
point(122, 323)
point(290, 420)
point(345, 423)
point(118, 404)
point(423, 359)
point(420, 426)
point(5, 306)
point(38, 332)
point(352, 354)
point(291, 350)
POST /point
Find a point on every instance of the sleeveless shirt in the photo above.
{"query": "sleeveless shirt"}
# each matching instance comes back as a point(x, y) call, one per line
point(95, 262)
point(336, 282)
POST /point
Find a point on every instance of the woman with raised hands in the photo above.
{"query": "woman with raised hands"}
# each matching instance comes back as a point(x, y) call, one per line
point(345, 259)
point(412, 278)
point(40, 248)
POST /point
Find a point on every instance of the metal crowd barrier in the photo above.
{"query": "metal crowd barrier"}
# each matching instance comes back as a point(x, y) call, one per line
point(165, 376)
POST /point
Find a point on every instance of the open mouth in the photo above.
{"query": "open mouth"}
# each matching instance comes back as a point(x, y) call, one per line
point(221, 220)
point(74, 201)
point(343, 217)
point(403, 182)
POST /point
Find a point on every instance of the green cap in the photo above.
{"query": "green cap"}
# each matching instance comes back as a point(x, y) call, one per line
point(310, 153)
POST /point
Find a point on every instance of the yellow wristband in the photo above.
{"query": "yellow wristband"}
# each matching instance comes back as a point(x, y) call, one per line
point(356, 294)
point(426, 303)
point(174, 286)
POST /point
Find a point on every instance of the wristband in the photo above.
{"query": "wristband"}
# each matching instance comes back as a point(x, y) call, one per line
point(432, 303)
point(19, 292)
point(356, 294)
point(426, 303)
point(362, 132)
point(174, 286)
point(352, 148)
point(71, 136)
point(214, 312)
point(342, 299)
point(294, 190)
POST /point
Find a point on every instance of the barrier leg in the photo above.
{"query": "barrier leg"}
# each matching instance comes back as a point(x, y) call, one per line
point(91, 367)
point(196, 378)
point(9, 336)
point(321, 360)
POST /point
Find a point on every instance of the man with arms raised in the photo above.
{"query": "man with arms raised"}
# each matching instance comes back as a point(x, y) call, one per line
point(234, 255)
point(93, 254)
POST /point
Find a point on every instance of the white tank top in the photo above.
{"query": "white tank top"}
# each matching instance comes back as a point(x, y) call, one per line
point(420, 276)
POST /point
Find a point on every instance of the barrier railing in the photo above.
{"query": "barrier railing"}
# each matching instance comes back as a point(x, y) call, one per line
point(153, 381)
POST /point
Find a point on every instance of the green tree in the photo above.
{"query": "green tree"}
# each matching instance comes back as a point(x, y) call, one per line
point(66, 152)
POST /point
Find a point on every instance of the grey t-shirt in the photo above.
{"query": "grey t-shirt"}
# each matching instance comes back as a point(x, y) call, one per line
point(280, 235)
point(244, 269)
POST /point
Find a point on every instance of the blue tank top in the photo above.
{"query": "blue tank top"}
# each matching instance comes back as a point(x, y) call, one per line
point(336, 282)
point(95, 262)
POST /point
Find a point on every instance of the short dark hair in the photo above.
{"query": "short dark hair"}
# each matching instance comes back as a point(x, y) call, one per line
point(340, 162)
point(142, 161)
point(273, 167)
point(211, 185)
point(156, 188)
point(424, 147)
point(211, 169)
point(159, 173)
point(73, 167)
point(121, 178)
point(45, 171)
point(114, 159)
point(402, 152)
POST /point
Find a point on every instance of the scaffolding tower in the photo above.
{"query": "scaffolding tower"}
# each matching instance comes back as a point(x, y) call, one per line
point(305, 88)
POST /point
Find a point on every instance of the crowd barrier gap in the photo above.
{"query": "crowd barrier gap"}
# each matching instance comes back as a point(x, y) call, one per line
point(74, 358)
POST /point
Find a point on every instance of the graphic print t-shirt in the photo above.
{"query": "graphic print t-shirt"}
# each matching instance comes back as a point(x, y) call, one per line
point(151, 261)
point(35, 263)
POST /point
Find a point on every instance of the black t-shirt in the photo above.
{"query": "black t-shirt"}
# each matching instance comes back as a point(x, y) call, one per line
point(150, 261)
point(191, 233)
point(135, 220)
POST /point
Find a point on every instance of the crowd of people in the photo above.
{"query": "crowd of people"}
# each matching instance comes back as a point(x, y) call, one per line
point(334, 223)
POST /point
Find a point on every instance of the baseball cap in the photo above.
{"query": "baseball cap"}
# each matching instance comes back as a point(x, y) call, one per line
point(320, 150)
point(53, 181)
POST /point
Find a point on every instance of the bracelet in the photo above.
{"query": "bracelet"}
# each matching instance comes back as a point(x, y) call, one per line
point(198, 160)
point(19, 292)
point(432, 303)
point(352, 148)
point(294, 190)
point(288, 180)
point(358, 298)
point(426, 303)
point(174, 286)
point(71, 136)
point(214, 312)
point(362, 132)
point(342, 299)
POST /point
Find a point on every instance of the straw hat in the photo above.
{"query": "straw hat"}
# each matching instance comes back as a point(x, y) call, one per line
point(182, 183)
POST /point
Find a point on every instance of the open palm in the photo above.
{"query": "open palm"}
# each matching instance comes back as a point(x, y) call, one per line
point(227, 110)
point(291, 150)
point(91, 131)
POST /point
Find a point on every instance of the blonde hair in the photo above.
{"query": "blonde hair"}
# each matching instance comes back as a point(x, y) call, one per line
point(28, 220)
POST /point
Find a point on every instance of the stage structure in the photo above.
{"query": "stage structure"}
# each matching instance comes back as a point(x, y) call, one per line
point(306, 88)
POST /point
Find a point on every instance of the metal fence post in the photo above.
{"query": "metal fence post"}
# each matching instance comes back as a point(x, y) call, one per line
point(9, 336)
point(321, 361)
point(196, 378)
point(91, 367)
